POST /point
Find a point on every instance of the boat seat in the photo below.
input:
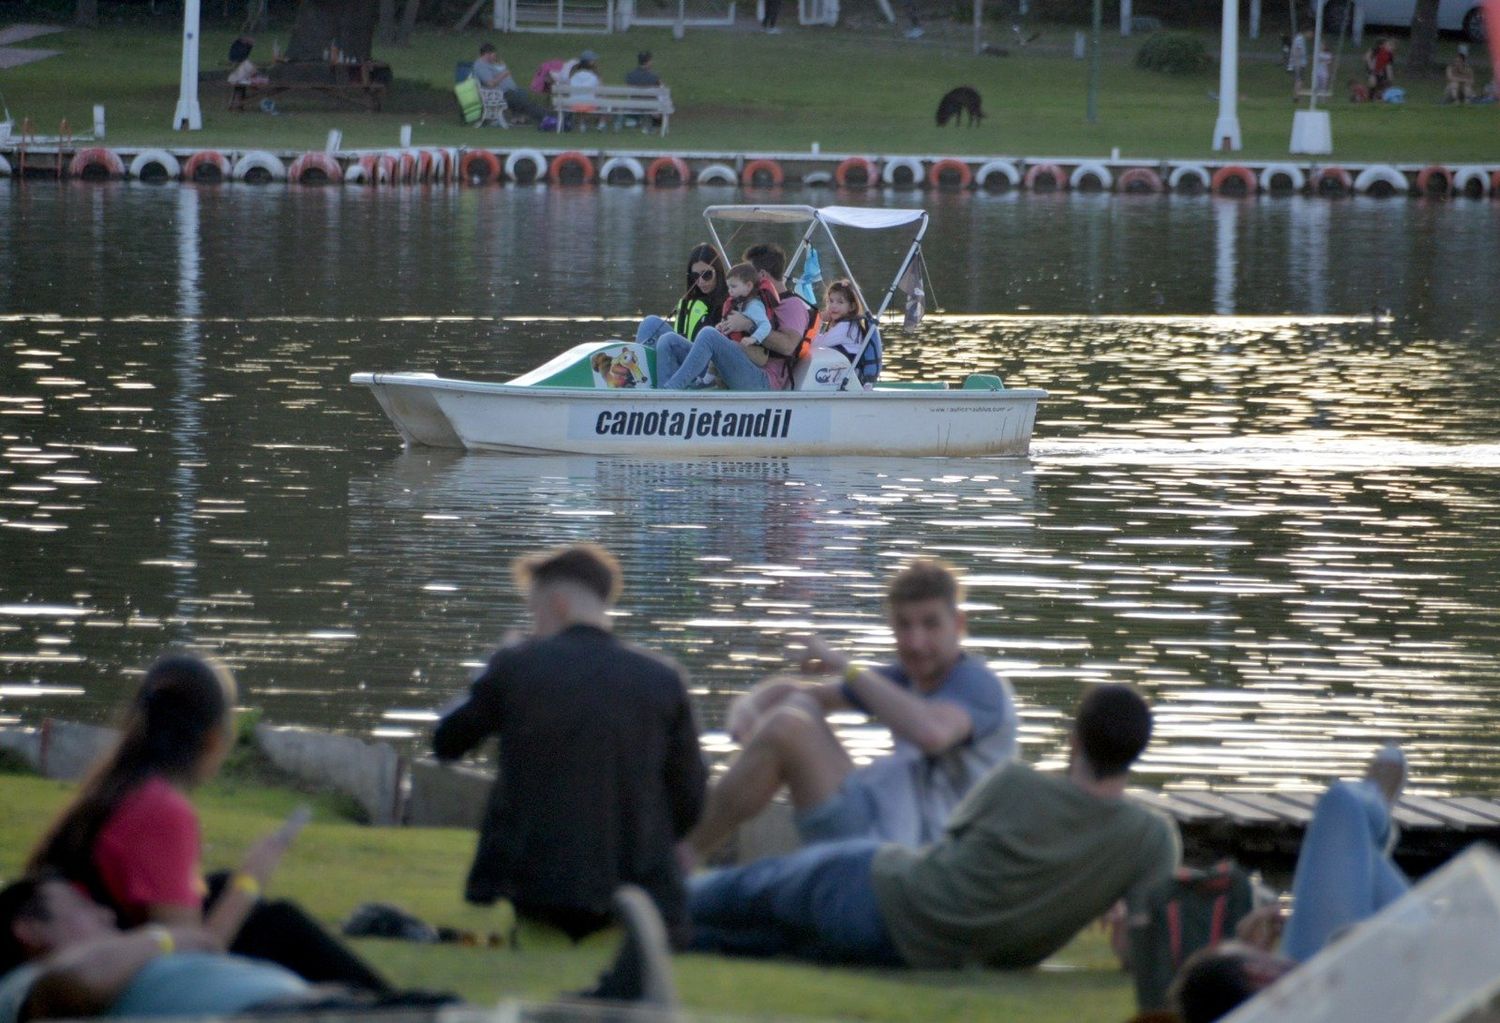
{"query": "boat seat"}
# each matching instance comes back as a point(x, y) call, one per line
point(983, 382)
point(824, 369)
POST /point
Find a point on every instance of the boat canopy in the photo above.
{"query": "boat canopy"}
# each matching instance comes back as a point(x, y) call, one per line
point(866, 218)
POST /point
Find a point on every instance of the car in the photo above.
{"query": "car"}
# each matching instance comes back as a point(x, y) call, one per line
point(1466, 16)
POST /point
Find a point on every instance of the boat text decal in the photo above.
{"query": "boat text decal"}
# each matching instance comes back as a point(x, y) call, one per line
point(694, 423)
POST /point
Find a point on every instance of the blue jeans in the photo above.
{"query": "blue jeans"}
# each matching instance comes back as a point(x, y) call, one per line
point(817, 903)
point(1343, 872)
point(680, 362)
point(651, 328)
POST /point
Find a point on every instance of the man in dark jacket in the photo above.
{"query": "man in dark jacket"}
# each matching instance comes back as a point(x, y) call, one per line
point(600, 769)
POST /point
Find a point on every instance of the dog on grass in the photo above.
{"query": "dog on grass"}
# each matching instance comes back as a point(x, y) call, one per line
point(957, 102)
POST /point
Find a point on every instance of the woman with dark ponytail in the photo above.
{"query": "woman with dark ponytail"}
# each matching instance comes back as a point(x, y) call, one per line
point(131, 836)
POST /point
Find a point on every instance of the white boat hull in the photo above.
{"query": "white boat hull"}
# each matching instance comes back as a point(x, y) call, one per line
point(435, 412)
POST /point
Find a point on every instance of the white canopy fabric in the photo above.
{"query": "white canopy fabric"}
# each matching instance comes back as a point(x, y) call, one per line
point(868, 219)
point(836, 216)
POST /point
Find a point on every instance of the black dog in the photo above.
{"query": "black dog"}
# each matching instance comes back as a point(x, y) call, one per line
point(957, 102)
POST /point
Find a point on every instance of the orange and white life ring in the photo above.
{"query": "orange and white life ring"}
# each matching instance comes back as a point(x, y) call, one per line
point(378, 168)
point(680, 174)
point(856, 172)
point(479, 167)
point(206, 167)
point(1139, 180)
point(1045, 177)
point(572, 159)
point(406, 167)
point(1426, 177)
point(155, 165)
point(757, 170)
point(1332, 181)
point(1233, 180)
point(315, 169)
point(949, 173)
point(97, 163)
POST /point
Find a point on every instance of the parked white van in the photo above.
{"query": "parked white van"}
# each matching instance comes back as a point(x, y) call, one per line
point(1453, 15)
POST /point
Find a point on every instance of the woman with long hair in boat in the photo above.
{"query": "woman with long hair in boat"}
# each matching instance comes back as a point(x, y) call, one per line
point(701, 305)
point(130, 837)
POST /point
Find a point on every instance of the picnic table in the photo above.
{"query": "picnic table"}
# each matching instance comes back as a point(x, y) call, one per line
point(361, 82)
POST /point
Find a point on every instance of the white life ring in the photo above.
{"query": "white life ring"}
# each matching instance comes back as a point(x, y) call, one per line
point(629, 164)
point(718, 174)
point(532, 158)
point(1182, 173)
point(1463, 177)
point(990, 168)
point(818, 179)
point(1091, 169)
point(1371, 178)
point(156, 158)
point(259, 160)
point(355, 174)
point(1295, 180)
point(895, 164)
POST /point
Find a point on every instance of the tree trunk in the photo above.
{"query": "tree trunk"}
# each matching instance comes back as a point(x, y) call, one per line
point(1424, 33)
point(86, 14)
point(321, 23)
point(387, 27)
point(409, 21)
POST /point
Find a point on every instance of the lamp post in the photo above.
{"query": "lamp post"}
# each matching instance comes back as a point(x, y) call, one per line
point(188, 114)
point(1227, 127)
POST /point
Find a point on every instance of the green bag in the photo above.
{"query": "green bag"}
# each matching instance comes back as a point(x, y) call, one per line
point(1192, 910)
point(469, 102)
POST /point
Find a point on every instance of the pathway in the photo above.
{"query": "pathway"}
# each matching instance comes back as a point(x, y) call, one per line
point(14, 56)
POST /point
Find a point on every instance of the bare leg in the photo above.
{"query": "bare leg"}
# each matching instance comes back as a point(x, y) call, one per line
point(793, 747)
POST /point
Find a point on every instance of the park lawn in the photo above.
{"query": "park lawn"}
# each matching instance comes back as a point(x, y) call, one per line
point(848, 90)
point(336, 865)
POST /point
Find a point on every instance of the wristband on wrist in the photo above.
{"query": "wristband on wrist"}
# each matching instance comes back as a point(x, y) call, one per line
point(163, 938)
point(852, 672)
point(243, 882)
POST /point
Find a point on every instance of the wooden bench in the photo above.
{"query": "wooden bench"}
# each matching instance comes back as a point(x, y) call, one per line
point(619, 101)
point(363, 83)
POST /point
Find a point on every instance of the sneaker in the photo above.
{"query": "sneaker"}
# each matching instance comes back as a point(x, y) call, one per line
point(707, 380)
point(773, 31)
point(915, 32)
point(642, 967)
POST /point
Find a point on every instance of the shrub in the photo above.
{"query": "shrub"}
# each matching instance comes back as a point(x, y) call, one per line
point(1173, 53)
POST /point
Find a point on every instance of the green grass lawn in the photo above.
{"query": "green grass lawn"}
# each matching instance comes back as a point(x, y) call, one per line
point(336, 865)
point(848, 90)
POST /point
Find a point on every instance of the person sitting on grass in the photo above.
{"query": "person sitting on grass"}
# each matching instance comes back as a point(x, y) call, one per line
point(130, 838)
point(1027, 861)
point(951, 720)
point(1459, 77)
point(63, 956)
point(1344, 876)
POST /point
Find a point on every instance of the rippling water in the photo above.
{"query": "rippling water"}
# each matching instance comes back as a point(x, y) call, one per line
point(1284, 527)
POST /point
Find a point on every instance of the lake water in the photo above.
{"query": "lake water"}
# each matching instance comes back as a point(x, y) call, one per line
point(1266, 487)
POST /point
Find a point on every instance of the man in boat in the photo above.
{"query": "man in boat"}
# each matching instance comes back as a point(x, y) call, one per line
point(63, 956)
point(1027, 861)
point(600, 769)
point(951, 719)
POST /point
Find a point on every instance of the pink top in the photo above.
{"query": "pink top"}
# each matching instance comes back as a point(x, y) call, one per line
point(147, 852)
point(791, 316)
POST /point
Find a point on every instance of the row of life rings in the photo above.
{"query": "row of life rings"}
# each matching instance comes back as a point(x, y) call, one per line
point(529, 165)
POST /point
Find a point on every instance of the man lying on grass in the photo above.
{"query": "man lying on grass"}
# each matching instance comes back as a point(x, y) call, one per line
point(1028, 860)
point(63, 957)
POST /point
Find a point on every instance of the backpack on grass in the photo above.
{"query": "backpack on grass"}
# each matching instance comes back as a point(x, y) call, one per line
point(1193, 909)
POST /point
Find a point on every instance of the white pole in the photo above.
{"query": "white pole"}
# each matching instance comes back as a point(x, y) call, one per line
point(1227, 128)
point(188, 114)
point(1254, 19)
point(1125, 17)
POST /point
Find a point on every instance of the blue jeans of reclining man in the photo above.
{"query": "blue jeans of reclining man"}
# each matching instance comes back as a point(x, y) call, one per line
point(1344, 874)
point(817, 903)
point(679, 361)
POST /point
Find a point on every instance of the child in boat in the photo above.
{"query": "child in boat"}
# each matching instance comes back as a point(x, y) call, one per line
point(842, 330)
point(743, 281)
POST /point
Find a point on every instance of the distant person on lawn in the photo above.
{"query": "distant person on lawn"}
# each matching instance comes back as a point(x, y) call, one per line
point(600, 770)
point(1027, 861)
point(951, 720)
point(643, 73)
